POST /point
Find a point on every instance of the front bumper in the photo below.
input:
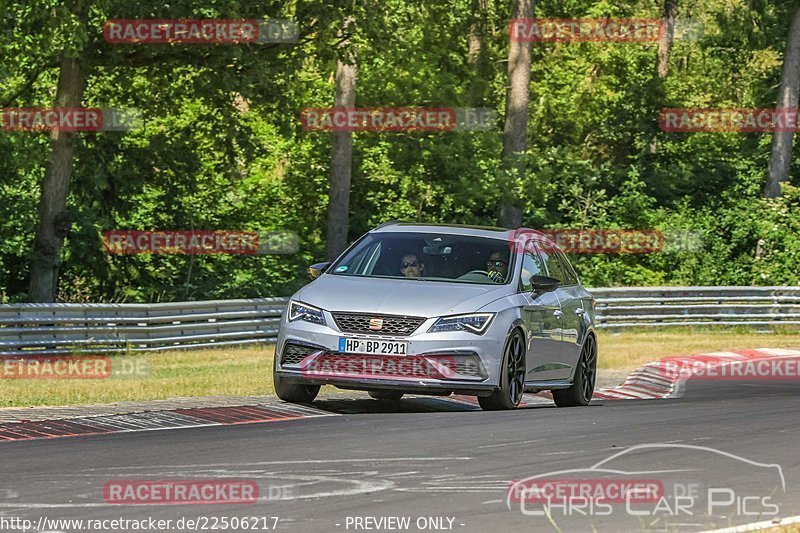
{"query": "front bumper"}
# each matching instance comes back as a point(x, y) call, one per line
point(437, 363)
point(426, 387)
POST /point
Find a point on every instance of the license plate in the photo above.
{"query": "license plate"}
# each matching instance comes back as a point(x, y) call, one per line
point(372, 347)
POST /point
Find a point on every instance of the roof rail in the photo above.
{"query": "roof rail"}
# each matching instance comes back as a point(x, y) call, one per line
point(529, 231)
point(388, 223)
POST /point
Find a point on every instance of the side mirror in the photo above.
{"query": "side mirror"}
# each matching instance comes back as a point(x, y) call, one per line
point(542, 284)
point(317, 269)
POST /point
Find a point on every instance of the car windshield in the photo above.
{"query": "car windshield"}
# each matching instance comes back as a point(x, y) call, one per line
point(428, 257)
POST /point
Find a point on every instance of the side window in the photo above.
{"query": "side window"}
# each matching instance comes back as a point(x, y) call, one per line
point(570, 278)
point(531, 266)
point(363, 263)
point(553, 265)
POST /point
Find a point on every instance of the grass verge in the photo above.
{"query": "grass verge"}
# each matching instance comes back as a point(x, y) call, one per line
point(626, 350)
point(248, 371)
point(169, 374)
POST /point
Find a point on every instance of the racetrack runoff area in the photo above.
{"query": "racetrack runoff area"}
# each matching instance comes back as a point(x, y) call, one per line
point(248, 371)
point(458, 472)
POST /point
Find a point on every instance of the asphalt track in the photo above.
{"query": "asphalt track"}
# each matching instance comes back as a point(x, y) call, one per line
point(428, 458)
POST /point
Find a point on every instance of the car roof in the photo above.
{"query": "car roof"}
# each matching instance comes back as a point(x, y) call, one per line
point(446, 229)
point(458, 229)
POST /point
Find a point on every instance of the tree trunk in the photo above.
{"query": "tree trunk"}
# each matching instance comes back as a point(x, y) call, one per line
point(666, 38)
point(475, 42)
point(665, 41)
point(781, 159)
point(515, 131)
point(478, 57)
point(341, 162)
point(54, 223)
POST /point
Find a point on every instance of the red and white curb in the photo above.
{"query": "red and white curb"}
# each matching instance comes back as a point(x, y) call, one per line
point(658, 380)
point(156, 420)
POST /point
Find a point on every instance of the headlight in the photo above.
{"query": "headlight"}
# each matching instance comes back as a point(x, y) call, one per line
point(309, 313)
point(474, 323)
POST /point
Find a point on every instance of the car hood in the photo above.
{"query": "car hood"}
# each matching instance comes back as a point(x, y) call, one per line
point(398, 296)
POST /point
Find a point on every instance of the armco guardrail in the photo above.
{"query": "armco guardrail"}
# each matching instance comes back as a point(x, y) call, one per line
point(697, 306)
point(69, 328)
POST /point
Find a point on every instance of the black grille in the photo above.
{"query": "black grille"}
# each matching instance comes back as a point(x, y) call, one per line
point(392, 325)
point(293, 354)
point(468, 367)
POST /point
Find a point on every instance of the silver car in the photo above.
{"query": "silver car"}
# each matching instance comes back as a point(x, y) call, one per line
point(438, 309)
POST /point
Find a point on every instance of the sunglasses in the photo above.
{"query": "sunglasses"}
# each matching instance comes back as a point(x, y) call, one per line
point(406, 265)
point(496, 263)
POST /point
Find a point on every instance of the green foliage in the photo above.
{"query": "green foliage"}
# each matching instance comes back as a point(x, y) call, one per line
point(221, 145)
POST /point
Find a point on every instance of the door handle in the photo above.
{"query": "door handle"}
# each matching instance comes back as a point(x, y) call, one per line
point(579, 311)
point(557, 313)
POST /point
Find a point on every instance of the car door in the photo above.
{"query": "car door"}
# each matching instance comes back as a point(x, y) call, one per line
point(570, 294)
point(567, 354)
point(541, 314)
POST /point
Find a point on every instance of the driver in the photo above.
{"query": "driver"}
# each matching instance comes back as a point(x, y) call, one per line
point(497, 267)
point(411, 266)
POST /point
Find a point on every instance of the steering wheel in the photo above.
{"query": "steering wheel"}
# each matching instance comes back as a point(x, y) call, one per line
point(497, 278)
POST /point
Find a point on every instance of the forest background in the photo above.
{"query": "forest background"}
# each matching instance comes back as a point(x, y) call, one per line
point(221, 147)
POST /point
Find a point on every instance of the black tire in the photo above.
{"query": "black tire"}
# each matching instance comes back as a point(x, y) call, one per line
point(512, 376)
point(390, 395)
point(294, 392)
point(580, 393)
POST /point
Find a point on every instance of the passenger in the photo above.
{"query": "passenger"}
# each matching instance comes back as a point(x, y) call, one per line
point(497, 267)
point(411, 266)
